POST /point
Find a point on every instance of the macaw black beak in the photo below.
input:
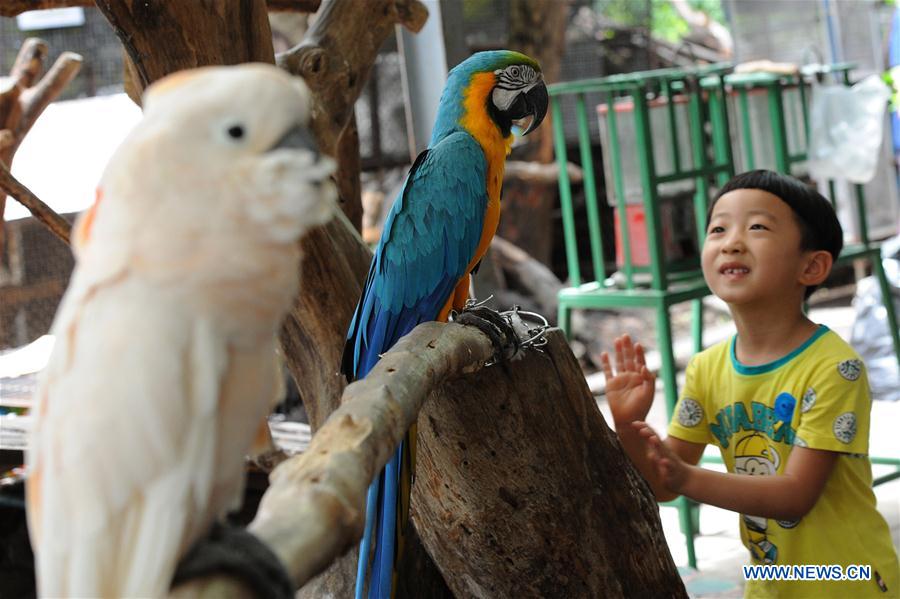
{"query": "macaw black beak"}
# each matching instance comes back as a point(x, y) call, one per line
point(536, 101)
point(298, 138)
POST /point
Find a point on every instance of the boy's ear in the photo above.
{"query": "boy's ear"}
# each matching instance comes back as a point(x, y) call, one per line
point(818, 265)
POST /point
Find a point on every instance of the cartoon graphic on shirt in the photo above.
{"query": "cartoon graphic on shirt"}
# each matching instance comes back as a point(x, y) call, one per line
point(756, 457)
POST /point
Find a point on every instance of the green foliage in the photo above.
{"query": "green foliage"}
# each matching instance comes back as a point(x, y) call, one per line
point(665, 21)
point(477, 9)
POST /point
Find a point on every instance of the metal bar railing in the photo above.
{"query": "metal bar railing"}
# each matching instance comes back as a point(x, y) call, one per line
point(590, 188)
point(565, 191)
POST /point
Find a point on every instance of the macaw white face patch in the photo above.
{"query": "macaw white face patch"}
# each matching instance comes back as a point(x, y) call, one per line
point(690, 413)
point(808, 401)
point(850, 369)
point(845, 427)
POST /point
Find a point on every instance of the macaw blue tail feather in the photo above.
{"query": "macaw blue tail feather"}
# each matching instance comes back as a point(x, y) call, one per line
point(366, 545)
point(381, 520)
point(383, 566)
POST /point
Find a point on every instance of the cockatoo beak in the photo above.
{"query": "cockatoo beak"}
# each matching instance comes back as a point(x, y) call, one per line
point(298, 138)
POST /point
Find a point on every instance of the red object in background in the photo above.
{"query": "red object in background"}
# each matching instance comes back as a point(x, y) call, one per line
point(637, 235)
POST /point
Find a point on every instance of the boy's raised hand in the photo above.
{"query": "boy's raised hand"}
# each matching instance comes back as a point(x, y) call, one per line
point(630, 390)
point(671, 470)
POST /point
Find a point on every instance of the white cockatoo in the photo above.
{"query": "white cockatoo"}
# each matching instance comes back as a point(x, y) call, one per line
point(165, 362)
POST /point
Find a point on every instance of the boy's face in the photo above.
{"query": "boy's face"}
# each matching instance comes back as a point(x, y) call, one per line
point(752, 249)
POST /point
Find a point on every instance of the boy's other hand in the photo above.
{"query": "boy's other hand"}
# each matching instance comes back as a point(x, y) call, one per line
point(630, 389)
point(672, 471)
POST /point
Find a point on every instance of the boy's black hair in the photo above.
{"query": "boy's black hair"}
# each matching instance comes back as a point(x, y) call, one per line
point(819, 225)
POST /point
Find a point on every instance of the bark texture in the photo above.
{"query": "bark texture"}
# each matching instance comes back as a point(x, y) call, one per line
point(11, 8)
point(523, 491)
point(213, 32)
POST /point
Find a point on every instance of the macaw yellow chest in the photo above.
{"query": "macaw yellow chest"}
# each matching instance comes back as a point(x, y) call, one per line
point(496, 148)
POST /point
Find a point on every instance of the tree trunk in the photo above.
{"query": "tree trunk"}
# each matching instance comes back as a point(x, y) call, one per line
point(163, 37)
point(537, 28)
point(522, 490)
point(11, 8)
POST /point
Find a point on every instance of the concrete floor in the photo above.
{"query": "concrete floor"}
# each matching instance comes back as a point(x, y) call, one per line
point(718, 547)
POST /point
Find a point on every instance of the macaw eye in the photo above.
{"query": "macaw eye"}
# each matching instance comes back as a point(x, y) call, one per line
point(236, 132)
point(514, 71)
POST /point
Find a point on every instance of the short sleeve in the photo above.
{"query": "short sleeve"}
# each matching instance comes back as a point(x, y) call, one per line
point(690, 418)
point(834, 410)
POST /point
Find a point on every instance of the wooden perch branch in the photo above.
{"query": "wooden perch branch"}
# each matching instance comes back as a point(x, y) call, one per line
point(23, 97)
point(335, 58)
point(314, 508)
point(41, 211)
point(11, 8)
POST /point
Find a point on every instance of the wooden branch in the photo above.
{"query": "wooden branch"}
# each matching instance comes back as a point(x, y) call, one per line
point(11, 8)
point(335, 58)
point(35, 99)
point(23, 97)
point(308, 6)
point(57, 224)
point(314, 509)
point(163, 37)
point(335, 263)
point(539, 172)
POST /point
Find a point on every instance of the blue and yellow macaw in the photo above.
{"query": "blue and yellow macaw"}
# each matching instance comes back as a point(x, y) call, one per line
point(434, 237)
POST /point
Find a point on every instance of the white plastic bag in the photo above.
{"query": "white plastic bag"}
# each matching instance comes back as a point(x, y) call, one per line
point(870, 336)
point(846, 125)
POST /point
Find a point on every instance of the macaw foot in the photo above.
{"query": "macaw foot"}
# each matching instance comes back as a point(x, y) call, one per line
point(495, 325)
point(233, 551)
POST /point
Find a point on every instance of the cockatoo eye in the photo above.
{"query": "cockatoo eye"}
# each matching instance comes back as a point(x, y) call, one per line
point(236, 132)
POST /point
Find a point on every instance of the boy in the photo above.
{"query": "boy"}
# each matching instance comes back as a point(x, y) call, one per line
point(785, 400)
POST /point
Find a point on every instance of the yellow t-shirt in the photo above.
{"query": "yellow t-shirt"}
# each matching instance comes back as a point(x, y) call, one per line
point(816, 397)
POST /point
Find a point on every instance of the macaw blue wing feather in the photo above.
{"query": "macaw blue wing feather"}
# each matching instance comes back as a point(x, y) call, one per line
point(429, 238)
